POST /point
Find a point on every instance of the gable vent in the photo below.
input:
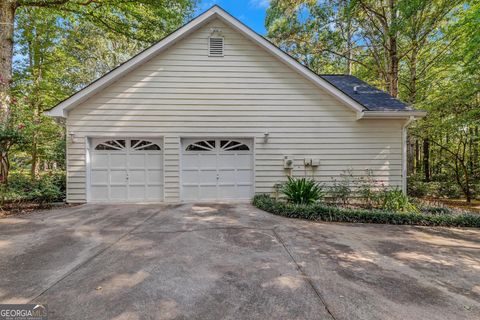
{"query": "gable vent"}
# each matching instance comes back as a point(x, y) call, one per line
point(215, 47)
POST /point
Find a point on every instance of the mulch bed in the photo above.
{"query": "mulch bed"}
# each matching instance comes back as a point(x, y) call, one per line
point(22, 208)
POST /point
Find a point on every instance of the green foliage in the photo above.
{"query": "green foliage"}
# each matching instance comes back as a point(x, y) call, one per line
point(396, 201)
point(49, 187)
point(299, 27)
point(302, 190)
point(322, 212)
point(9, 136)
point(144, 20)
point(341, 190)
point(369, 190)
point(443, 187)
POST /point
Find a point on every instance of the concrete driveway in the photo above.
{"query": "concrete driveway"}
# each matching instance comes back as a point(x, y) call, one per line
point(232, 261)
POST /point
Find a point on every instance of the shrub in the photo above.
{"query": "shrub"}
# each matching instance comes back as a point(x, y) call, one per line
point(444, 187)
point(368, 190)
point(396, 201)
point(47, 188)
point(322, 212)
point(341, 191)
point(416, 187)
point(302, 190)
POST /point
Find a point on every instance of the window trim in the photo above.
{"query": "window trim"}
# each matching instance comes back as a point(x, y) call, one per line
point(230, 145)
point(114, 146)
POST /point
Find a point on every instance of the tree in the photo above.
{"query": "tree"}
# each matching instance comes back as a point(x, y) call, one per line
point(319, 34)
point(453, 102)
point(374, 37)
point(422, 51)
point(144, 21)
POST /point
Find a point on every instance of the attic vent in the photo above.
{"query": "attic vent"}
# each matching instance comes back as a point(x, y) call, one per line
point(215, 47)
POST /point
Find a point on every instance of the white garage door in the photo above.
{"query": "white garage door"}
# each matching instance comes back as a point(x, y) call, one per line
point(217, 169)
point(126, 170)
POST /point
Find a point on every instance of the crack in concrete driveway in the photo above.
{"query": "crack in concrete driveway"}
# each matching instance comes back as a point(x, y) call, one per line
point(232, 261)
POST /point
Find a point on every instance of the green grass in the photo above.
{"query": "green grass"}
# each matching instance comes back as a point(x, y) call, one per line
point(323, 212)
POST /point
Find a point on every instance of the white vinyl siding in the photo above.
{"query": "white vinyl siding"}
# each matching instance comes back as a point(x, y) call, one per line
point(184, 92)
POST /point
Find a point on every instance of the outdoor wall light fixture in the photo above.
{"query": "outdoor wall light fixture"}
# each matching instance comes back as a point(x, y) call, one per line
point(71, 134)
point(265, 136)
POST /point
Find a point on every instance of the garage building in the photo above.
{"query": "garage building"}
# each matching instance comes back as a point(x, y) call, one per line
point(216, 112)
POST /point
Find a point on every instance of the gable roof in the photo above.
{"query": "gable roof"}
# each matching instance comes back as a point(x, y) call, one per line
point(61, 109)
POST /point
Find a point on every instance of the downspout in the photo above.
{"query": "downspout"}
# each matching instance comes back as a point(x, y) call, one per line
point(404, 153)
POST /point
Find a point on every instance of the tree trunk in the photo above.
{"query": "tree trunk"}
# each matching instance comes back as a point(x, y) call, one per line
point(410, 155)
point(471, 141)
point(417, 156)
point(349, 61)
point(426, 159)
point(412, 94)
point(392, 52)
point(393, 69)
point(34, 168)
point(476, 159)
point(7, 17)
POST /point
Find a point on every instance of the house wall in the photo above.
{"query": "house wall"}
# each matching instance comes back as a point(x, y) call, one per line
point(185, 93)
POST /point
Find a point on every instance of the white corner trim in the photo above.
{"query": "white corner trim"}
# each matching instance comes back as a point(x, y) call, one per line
point(61, 110)
point(404, 153)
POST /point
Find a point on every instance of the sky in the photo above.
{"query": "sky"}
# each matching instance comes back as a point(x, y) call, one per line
point(250, 12)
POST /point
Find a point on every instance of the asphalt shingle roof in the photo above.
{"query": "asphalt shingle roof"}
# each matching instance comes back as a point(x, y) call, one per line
point(368, 96)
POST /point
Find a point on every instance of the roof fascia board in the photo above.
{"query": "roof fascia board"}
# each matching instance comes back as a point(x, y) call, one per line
point(61, 110)
point(390, 114)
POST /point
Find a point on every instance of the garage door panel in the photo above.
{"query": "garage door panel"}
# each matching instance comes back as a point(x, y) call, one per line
point(99, 192)
point(190, 161)
point(118, 192)
point(154, 192)
point(207, 161)
point(190, 193)
point(100, 161)
point(155, 176)
point(100, 177)
point(244, 161)
point(136, 192)
point(227, 176)
point(154, 161)
point(136, 161)
point(228, 192)
point(118, 176)
point(118, 161)
point(207, 192)
point(208, 175)
point(122, 171)
point(190, 176)
point(226, 161)
point(224, 171)
point(137, 176)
